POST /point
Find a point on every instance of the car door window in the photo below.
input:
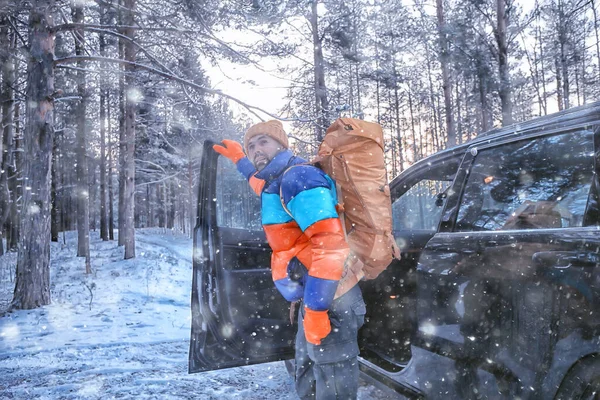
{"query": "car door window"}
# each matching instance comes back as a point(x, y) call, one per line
point(421, 206)
point(531, 184)
point(237, 205)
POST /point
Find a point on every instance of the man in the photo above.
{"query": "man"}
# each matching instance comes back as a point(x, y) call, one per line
point(304, 231)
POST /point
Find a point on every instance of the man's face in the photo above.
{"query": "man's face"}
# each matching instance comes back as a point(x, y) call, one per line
point(262, 149)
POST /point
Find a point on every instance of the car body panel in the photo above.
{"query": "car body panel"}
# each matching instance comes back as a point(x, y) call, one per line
point(238, 317)
point(507, 312)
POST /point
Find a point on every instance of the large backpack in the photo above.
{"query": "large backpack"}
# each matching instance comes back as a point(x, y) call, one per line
point(352, 154)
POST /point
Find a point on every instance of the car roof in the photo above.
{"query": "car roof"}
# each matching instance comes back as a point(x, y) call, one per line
point(582, 115)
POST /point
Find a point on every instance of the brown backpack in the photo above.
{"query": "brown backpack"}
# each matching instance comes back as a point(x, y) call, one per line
point(352, 154)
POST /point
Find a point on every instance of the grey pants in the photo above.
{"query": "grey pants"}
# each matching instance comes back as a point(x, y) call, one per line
point(330, 370)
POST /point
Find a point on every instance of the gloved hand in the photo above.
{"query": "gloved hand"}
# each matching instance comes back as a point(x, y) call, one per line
point(230, 149)
point(316, 325)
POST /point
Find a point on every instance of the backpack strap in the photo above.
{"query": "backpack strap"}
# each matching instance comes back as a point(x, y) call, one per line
point(339, 207)
point(281, 191)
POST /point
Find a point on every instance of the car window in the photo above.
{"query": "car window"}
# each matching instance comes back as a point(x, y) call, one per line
point(531, 184)
point(421, 206)
point(237, 205)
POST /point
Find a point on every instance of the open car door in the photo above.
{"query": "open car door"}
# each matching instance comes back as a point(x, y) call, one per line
point(238, 317)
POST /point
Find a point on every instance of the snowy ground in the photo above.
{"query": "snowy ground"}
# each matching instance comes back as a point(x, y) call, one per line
point(121, 332)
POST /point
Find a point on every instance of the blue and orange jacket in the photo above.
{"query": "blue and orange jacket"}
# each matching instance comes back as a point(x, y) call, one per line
point(307, 239)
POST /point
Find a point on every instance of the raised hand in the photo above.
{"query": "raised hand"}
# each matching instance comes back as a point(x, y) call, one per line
point(230, 149)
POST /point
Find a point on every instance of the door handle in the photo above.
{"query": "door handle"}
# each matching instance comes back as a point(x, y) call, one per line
point(566, 259)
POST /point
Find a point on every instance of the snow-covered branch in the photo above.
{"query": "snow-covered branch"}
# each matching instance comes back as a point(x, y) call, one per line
point(166, 178)
point(249, 107)
point(151, 163)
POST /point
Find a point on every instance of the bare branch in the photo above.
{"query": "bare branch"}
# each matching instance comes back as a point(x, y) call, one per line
point(487, 16)
point(315, 144)
point(176, 78)
point(151, 163)
point(274, 43)
point(76, 37)
point(17, 32)
point(164, 137)
point(128, 39)
point(67, 98)
point(159, 180)
point(579, 6)
point(107, 29)
point(306, 37)
point(524, 25)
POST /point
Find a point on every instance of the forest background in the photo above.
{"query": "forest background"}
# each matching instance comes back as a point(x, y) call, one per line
point(105, 104)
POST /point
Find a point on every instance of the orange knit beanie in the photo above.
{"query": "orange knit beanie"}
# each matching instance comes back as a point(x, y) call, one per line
point(271, 128)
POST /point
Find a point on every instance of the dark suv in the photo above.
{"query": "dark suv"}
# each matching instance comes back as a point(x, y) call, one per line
point(497, 294)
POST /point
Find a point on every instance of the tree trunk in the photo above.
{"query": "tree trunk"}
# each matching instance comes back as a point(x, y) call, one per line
point(162, 201)
point(148, 206)
point(577, 91)
point(377, 101)
point(172, 199)
point(505, 87)
point(6, 144)
point(437, 139)
point(321, 101)
point(446, 84)
point(121, 146)
point(398, 130)
point(128, 168)
point(470, 104)
point(191, 202)
point(436, 121)
point(360, 112)
point(559, 92)
point(378, 107)
point(562, 42)
point(167, 196)
point(350, 89)
point(103, 96)
point(397, 110)
point(412, 127)
point(83, 194)
point(93, 190)
point(485, 122)
point(535, 74)
point(32, 287)
point(420, 124)
point(68, 210)
point(565, 76)
point(151, 204)
point(103, 213)
point(395, 132)
point(14, 184)
point(137, 222)
point(55, 213)
point(111, 214)
point(597, 37)
point(582, 89)
point(543, 71)
point(182, 214)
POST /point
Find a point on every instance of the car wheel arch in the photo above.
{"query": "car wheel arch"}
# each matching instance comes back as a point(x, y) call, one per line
point(582, 378)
